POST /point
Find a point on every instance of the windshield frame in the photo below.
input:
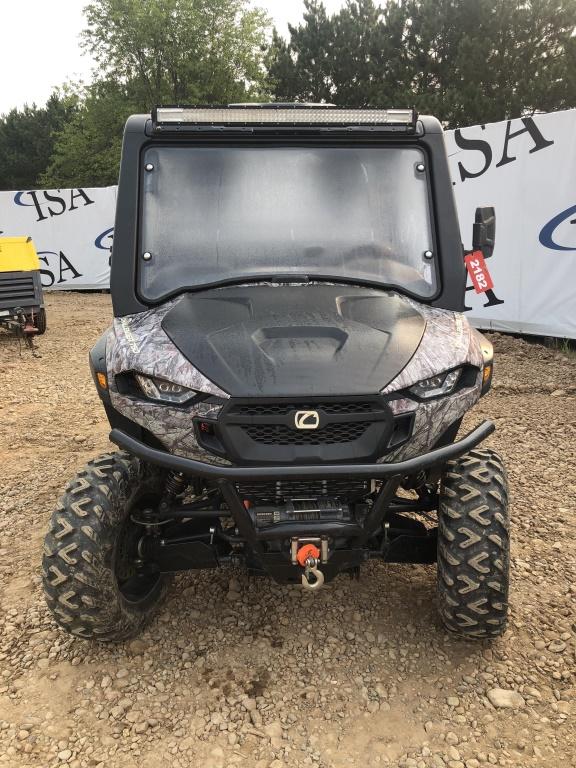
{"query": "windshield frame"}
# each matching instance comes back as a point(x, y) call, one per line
point(299, 277)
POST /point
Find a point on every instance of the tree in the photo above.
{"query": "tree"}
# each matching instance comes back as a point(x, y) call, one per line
point(27, 140)
point(356, 57)
point(179, 51)
point(87, 149)
point(375, 71)
point(153, 52)
point(466, 61)
point(302, 69)
point(485, 60)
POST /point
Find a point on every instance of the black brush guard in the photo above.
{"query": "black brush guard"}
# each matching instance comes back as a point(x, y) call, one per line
point(403, 548)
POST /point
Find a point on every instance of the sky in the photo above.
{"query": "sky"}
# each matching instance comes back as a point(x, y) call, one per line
point(40, 45)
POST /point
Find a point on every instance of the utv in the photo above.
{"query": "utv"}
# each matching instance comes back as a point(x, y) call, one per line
point(287, 369)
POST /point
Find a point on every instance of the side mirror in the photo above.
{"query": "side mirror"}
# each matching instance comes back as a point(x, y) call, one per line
point(484, 231)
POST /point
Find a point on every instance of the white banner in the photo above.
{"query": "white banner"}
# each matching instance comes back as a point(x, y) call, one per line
point(72, 230)
point(525, 168)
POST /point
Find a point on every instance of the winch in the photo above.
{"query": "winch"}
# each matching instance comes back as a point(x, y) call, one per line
point(299, 510)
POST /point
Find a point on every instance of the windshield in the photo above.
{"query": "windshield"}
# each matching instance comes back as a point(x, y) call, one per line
point(212, 214)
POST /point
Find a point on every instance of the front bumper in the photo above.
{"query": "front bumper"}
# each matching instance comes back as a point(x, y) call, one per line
point(405, 548)
point(433, 458)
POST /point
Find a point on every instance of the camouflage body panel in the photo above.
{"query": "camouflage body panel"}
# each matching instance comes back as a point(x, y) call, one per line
point(431, 420)
point(448, 342)
point(172, 426)
point(138, 343)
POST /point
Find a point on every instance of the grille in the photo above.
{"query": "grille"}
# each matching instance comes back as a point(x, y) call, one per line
point(280, 434)
point(15, 289)
point(264, 431)
point(294, 489)
point(283, 409)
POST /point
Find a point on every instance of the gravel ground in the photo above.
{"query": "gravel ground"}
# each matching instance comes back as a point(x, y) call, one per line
point(237, 671)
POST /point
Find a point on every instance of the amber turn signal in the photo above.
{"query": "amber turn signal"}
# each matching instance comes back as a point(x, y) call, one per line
point(486, 378)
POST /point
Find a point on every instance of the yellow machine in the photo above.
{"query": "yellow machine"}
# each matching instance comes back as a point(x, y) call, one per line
point(21, 300)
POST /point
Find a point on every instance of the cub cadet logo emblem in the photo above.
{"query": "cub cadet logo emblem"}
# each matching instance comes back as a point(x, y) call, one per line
point(132, 343)
point(307, 419)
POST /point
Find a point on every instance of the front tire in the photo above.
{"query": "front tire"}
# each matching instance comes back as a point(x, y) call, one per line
point(92, 581)
point(474, 545)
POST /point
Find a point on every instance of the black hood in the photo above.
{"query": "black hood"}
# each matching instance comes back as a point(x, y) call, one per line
point(267, 341)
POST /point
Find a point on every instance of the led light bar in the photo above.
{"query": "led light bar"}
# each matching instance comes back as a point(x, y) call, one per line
point(281, 116)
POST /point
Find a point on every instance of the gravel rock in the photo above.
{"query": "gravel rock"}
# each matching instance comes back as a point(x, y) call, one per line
point(557, 646)
point(274, 729)
point(138, 646)
point(505, 699)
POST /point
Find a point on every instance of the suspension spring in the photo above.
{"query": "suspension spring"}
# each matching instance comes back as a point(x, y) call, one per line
point(175, 484)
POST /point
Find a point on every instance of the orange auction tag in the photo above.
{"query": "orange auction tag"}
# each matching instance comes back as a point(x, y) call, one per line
point(478, 271)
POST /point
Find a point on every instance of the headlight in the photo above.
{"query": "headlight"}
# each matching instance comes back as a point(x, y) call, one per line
point(163, 390)
point(442, 384)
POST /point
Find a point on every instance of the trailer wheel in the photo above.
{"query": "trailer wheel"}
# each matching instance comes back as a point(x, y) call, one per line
point(93, 583)
point(40, 317)
point(473, 545)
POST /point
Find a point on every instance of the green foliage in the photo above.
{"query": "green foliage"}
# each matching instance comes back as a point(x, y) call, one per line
point(375, 71)
point(156, 52)
point(488, 60)
point(466, 61)
point(87, 149)
point(310, 78)
point(179, 50)
point(354, 58)
point(27, 140)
